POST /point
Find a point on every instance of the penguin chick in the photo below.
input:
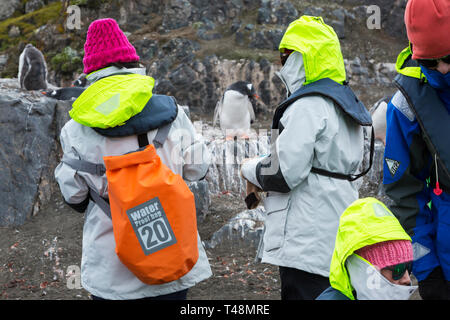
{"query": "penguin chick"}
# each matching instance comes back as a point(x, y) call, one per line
point(32, 73)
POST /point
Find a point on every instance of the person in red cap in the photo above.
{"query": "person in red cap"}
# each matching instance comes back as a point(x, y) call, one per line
point(417, 154)
point(115, 115)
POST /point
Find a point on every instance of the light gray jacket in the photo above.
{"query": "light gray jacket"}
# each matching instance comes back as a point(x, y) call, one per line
point(102, 273)
point(301, 225)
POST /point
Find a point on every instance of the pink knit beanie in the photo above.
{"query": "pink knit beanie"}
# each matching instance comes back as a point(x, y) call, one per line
point(106, 44)
point(387, 253)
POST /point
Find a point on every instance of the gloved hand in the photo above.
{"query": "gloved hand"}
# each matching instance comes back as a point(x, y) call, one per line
point(252, 198)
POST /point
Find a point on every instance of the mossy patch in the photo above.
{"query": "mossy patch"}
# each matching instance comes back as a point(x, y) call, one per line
point(67, 62)
point(27, 24)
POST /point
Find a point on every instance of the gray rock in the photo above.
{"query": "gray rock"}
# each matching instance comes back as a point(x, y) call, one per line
point(339, 28)
point(239, 38)
point(204, 35)
point(284, 12)
point(177, 13)
point(249, 27)
point(33, 5)
point(235, 26)
point(264, 16)
point(179, 50)
point(27, 128)
point(3, 60)
point(182, 76)
point(267, 39)
point(314, 11)
point(146, 48)
point(14, 32)
point(242, 231)
point(8, 7)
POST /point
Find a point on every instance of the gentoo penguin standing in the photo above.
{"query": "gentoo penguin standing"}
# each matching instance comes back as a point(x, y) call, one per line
point(70, 93)
point(32, 73)
point(235, 109)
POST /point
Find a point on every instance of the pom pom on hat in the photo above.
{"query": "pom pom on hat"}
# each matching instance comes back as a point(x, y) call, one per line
point(387, 253)
point(106, 44)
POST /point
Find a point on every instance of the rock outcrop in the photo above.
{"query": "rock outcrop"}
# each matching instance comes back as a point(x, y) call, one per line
point(29, 126)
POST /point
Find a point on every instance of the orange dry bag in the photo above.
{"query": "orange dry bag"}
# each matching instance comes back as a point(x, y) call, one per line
point(153, 214)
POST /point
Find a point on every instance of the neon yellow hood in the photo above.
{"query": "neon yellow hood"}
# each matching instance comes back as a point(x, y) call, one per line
point(320, 47)
point(413, 72)
point(111, 101)
point(365, 222)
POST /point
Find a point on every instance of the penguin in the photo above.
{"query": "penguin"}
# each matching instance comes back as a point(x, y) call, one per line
point(378, 113)
point(32, 72)
point(70, 93)
point(80, 82)
point(235, 111)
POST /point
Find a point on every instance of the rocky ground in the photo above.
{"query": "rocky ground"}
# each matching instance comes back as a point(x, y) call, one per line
point(40, 259)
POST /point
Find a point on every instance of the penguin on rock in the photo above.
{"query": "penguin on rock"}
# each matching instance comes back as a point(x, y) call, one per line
point(69, 93)
point(235, 111)
point(32, 73)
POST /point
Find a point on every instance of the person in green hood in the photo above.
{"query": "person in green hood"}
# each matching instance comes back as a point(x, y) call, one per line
point(317, 143)
point(372, 256)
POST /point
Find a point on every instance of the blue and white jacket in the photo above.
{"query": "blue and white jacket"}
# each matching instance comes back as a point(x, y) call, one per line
point(417, 165)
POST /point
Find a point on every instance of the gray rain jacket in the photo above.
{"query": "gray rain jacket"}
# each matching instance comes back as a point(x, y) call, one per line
point(102, 273)
point(301, 225)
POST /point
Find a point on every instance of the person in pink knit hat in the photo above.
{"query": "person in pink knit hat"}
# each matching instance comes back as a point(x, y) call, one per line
point(393, 258)
point(107, 45)
point(118, 114)
point(372, 257)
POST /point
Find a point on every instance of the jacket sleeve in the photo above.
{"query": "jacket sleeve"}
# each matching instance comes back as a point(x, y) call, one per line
point(196, 156)
point(73, 187)
point(406, 165)
point(292, 151)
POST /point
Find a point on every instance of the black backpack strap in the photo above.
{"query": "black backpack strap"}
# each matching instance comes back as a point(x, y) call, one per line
point(349, 177)
point(160, 138)
point(143, 140)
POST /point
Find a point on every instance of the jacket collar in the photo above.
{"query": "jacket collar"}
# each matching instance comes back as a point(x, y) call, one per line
point(111, 71)
point(293, 73)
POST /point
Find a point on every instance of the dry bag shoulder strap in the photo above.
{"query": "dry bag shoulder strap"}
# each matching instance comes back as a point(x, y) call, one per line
point(101, 202)
point(95, 169)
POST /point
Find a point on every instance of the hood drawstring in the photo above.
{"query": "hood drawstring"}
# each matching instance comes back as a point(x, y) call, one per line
point(437, 191)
